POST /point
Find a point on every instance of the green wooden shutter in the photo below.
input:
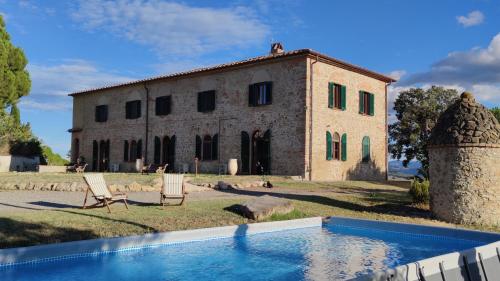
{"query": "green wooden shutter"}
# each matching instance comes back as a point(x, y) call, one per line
point(343, 154)
point(366, 149)
point(342, 97)
point(372, 104)
point(361, 102)
point(328, 146)
point(330, 94)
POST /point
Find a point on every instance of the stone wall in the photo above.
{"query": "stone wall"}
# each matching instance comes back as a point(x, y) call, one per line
point(465, 184)
point(284, 117)
point(287, 118)
point(349, 121)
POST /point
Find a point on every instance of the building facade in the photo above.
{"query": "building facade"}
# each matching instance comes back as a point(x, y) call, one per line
point(295, 113)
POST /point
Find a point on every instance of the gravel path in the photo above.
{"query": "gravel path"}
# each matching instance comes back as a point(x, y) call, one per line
point(15, 201)
point(19, 200)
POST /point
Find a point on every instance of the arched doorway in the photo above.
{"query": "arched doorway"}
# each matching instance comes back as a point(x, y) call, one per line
point(168, 156)
point(95, 155)
point(245, 153)
point(261, 152)
point(76, 150)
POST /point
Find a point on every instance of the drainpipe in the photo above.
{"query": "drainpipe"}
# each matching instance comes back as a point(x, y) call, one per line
point(311, 116)
point(386, 136)
point(147, 125)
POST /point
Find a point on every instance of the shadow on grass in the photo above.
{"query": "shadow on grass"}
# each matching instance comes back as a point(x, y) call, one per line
point(390, 208)
point(107, 218)
point(15, 233)
point(53, 205)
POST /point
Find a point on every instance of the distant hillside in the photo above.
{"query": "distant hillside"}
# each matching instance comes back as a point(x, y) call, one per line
point(396, 169)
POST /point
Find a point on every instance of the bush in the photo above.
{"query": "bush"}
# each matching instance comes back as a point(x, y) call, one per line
point(419, 191)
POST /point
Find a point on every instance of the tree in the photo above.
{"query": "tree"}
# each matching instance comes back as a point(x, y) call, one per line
point(496, 112)
point(14, 79)
point(417, 111)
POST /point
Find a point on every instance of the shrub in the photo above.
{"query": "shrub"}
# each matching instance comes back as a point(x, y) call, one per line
point(419, 191)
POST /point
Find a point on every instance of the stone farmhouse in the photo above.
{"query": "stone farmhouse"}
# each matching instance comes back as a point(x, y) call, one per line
point(298, 113)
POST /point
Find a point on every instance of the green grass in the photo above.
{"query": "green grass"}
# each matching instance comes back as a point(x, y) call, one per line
point(371, 200)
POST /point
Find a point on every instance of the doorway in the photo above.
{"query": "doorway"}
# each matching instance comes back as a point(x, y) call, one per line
point(261, 153)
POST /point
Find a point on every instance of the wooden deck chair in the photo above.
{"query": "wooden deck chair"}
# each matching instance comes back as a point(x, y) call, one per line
point(101, 193)
point(172, 188)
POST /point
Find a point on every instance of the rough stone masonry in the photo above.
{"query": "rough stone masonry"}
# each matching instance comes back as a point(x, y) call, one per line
point(464, 159)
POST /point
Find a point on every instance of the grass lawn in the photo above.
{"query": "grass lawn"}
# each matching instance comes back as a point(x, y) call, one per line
point(383, 201)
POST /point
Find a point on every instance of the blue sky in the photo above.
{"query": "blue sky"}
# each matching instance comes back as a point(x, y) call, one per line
point(74, 45)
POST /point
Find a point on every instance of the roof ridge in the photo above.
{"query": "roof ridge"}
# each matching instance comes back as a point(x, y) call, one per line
point(238, 63)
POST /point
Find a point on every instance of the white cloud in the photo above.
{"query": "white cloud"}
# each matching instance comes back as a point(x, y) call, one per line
point(473, 18)
point(173, 28)
point(476, 70)
point(397, 74)
point(52, 83)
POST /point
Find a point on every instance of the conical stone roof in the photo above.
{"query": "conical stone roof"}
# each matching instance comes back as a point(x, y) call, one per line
point(466, 122)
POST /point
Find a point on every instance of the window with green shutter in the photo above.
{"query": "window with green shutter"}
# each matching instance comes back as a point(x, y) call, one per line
point(366, 103)
point(361, 102)
point(336, 96)
point(366, 149)
point(343, 141)
point(342, 97)
point(372, 104)
point(330, 94)
point(328, 146)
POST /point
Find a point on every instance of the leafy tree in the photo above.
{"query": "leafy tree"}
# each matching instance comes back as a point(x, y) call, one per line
point(496, 112)
point(417, 111)
point(14, 79)
point(53, 158)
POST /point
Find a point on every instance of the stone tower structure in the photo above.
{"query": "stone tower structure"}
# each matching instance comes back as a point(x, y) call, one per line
point(464, 159)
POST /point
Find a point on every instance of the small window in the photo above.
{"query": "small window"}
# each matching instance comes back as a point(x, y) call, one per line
point(260, 94)
point(366, 103)
point(206, 101)
point(133, 109)
point(163, 105)
point(366, 149)
point(101, 113)
point(336, 146)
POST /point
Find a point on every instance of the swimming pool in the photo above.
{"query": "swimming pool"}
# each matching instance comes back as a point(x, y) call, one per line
point(339, 250)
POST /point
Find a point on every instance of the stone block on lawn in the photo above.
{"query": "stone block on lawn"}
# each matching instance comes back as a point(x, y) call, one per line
point(265, 206)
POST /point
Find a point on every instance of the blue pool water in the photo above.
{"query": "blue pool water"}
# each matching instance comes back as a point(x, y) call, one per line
point(331, 252)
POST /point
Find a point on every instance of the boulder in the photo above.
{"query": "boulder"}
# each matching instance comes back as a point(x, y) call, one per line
point(265, 206)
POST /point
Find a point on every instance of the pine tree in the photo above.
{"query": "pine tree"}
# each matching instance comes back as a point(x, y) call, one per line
point(14, 79)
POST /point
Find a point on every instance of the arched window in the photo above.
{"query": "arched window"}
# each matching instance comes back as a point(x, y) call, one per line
point(366, 149)
point(336, 146)
point(328, 146)
point(133, 151)
point(157, 151)
point(343, 148)
point(125, 151)
point(207, 148)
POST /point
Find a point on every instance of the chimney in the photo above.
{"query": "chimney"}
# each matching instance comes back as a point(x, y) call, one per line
point(276, 48)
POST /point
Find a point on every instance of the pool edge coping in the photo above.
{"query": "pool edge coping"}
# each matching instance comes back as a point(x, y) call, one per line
point(73, 249)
